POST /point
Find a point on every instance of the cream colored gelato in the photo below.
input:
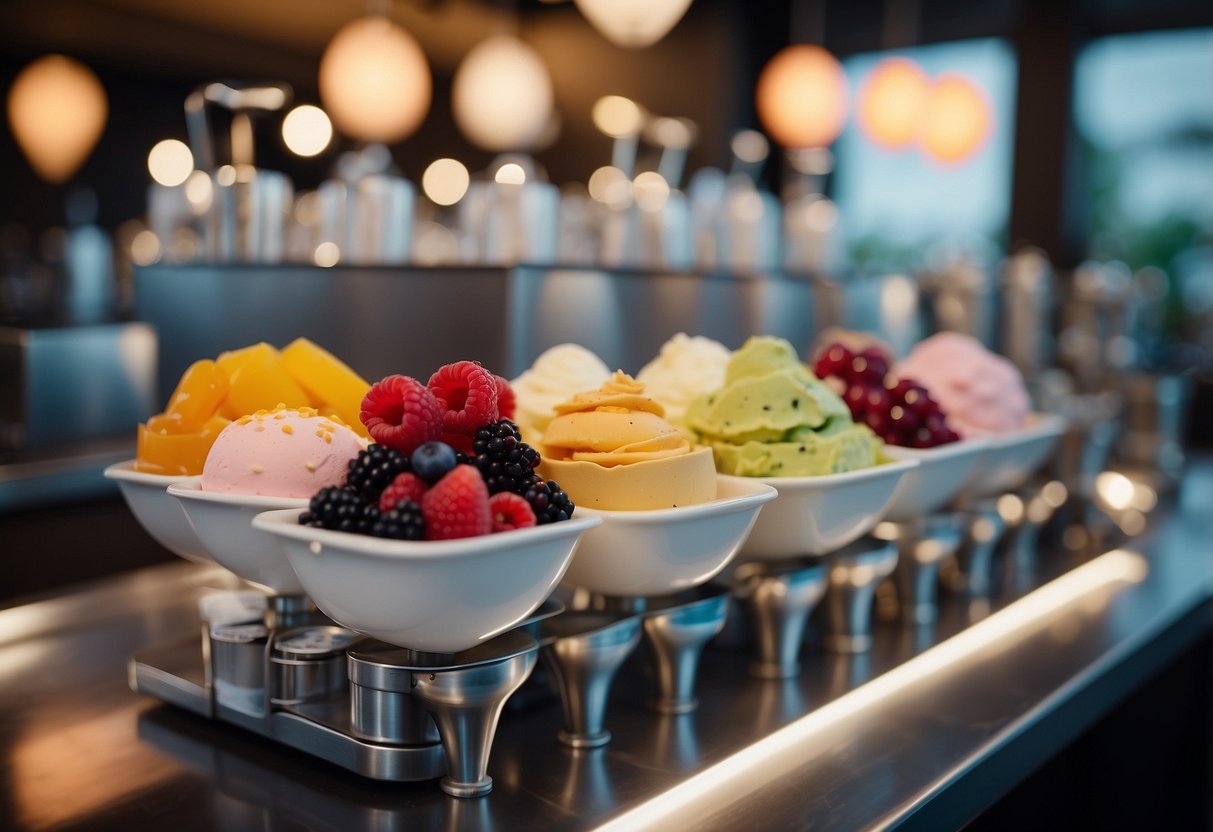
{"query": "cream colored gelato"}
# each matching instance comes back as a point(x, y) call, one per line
point(686, 367)
point(611, 448)
point(555, 376)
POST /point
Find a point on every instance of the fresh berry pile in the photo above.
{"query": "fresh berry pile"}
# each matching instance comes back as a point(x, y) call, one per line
point(448, 463)
point(899, 411)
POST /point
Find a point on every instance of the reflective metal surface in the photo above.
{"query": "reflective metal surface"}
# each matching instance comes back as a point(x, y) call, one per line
point(82, 752)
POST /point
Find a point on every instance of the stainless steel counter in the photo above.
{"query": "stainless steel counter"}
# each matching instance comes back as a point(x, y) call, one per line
point(924, 732)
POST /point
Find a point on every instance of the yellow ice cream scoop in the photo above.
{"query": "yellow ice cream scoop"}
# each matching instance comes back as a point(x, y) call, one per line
point(612, 448)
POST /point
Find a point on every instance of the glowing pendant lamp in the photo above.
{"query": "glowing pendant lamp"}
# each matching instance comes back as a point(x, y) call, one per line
point(57, 109)
point(802, 97)
point(633, 24)
point(374, 81)
point(502, 95)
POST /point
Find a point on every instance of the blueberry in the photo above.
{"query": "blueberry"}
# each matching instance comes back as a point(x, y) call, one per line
point(432, 461)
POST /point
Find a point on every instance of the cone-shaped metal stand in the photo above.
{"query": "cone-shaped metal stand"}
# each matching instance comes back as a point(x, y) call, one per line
point(921, 546)
point(465, 697)
point(1029, 513)
point(975, 557)
point(779, 598)
point(582, 651)
point(855, 572)
point(676, 637)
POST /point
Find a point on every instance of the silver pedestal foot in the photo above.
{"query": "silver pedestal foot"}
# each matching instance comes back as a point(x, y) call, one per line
point(921, 546)
point(465, 703)
point(855, 572)
point(582, 651)
point(975, 557)
point(676, 636)
point(779, 600)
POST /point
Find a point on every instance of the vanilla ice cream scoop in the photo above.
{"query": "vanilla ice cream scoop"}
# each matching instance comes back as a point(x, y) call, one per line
point(686, 367)
point(981, 392)
point(555, 376)
point(284, 452)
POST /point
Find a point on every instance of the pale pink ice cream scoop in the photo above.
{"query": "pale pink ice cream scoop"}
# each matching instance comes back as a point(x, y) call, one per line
point(979, 391)
point(280, 453)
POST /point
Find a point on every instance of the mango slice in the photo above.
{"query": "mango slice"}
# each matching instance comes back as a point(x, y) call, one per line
point(176, 454)
point(260, 382)
point(330, 382)
point(199, 393)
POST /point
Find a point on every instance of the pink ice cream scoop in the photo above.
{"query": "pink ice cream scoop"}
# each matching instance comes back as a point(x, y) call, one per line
point(980, 392)
point(280, 453)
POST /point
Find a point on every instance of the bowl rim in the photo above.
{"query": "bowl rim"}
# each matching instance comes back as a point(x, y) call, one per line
point(975, 445)
point(124, 471)
point(883, 469)
point(720, 505)
point(1042, 425)
point(283, 522)
point(193, 491)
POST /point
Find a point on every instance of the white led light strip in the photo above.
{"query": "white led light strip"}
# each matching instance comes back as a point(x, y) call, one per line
point(734, 777)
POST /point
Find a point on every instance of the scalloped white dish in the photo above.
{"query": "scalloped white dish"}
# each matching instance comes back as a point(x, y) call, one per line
point(224, 525)
point(160, 515)
point(817, 515)
point(440, 596)
point(940, 474)
point(1011, 458)
point(667, 550)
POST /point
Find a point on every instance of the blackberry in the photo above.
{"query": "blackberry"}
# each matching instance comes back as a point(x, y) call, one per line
point(339, 508)
point(504, 460)
point(374, 469)
point(402, 522)
point(548, 501)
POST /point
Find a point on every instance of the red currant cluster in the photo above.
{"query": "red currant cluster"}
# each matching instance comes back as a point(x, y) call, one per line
point(899, 411)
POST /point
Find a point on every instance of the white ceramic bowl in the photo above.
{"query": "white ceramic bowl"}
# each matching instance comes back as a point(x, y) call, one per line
point(666, 550)
point(441, 596)
point(1011, 458)
point(224, 524)
point(938, 478)
point(817, 515)
point(160, 515)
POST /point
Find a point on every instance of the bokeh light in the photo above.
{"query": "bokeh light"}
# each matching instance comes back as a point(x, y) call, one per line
point(307, 130)
point(170, 162)
point(802, 97)
point(617, 116)
point(891, 102)
point(957, 119)
point(445, 181)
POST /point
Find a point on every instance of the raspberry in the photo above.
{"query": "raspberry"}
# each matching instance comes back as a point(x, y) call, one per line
point(457, 506)
point(404, 487)
point(505, 398)
point(401, 413)
point(468, 394)
point(510, 511)
point(460, 442)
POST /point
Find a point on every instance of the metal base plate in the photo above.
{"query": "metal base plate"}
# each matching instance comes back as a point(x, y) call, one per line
point(176, 674)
